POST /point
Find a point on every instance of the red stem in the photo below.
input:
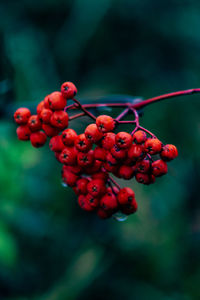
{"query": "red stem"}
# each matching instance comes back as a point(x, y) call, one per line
point(165, 96)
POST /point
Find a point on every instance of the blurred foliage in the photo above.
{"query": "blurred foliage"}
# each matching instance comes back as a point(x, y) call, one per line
point(49, 248)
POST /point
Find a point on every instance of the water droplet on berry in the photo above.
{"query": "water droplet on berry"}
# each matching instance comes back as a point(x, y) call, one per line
point(64, 184)
point(120, 217)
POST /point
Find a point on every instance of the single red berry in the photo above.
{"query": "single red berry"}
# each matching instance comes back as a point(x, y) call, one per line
point(111, 160)
point(73, 169)
point(109, 167)
point(56, 101)
point(143, 166)
point(126, 172)
point(139, 137)
point(49, 130)
point(153, 146)
point(22, 115)
point(59, 119)
point(118, 153)
point(104, 214)
point(105, 123)
point(100, 175)
point(95, 167)
point(159, 168)
point(100, 153)
point(38, 139)
point(83, 203)
point(56, 143)
point(109, 202)
point(46, 102)
point(92, 200)
point(69, 178)
point(68, 90)
point(82, 144)
point(23, 132)
point(169, 152)
point(81, 186)
point(123, 140)
point(68, 156)
point(125, 196)
point(96, 187)
point(68, 136)
point(143, 178)
point(85, 159)
point(92, 133)
point(34, 123)
point(135, 152)
point(108, 140)
point(129, 208)
point(40, 107)
point(57, 156)
point(45, 115)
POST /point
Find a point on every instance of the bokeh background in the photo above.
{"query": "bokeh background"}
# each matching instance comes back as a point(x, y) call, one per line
point(49, 248)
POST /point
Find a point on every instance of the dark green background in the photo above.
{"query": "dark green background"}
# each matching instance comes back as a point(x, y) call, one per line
point(49, 248)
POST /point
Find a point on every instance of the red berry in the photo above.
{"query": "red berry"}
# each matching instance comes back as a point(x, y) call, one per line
point(40, 107)
point(143, 166)
point(100, 153)
point(45, 115)
point(153, 146)
point(68, 90)
point(49, 130)
point(125, 196)
point(159, 168)
point(100, 175)
point(92, 200)
point(139, 137)
point(59, 119)
point(85, 159)
point(144, 178)
point(105, 123)
point(92, 133)
point(56, 101)
point(68, 156)
point(68, 136)
point(95, 167)
point(109, 202)
point(23, 133)
point(118, 153)
point(56, 144)
point(73, 169)
point(83, 203)
point(96, 187)
point(46, 102)
point(123, 140)
point(38, 139)
point(22, 115)
point(34, 123)
point(169, 152)
point(135, 152)
point(108, 140)
point(81, 186)
point(69, 178)
point(82, 144)
point(111, 160)
point(126, 172)
point(129, 208)
point(109, 167)
point(104, 214)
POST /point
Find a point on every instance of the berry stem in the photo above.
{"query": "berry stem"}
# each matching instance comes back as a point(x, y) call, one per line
point(122, 115)
point(76, 116)
point(165, 96)
point(114, 182)
point(85, 110)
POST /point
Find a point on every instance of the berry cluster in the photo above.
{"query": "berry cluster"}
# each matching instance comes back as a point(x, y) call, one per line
point(89, 158)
